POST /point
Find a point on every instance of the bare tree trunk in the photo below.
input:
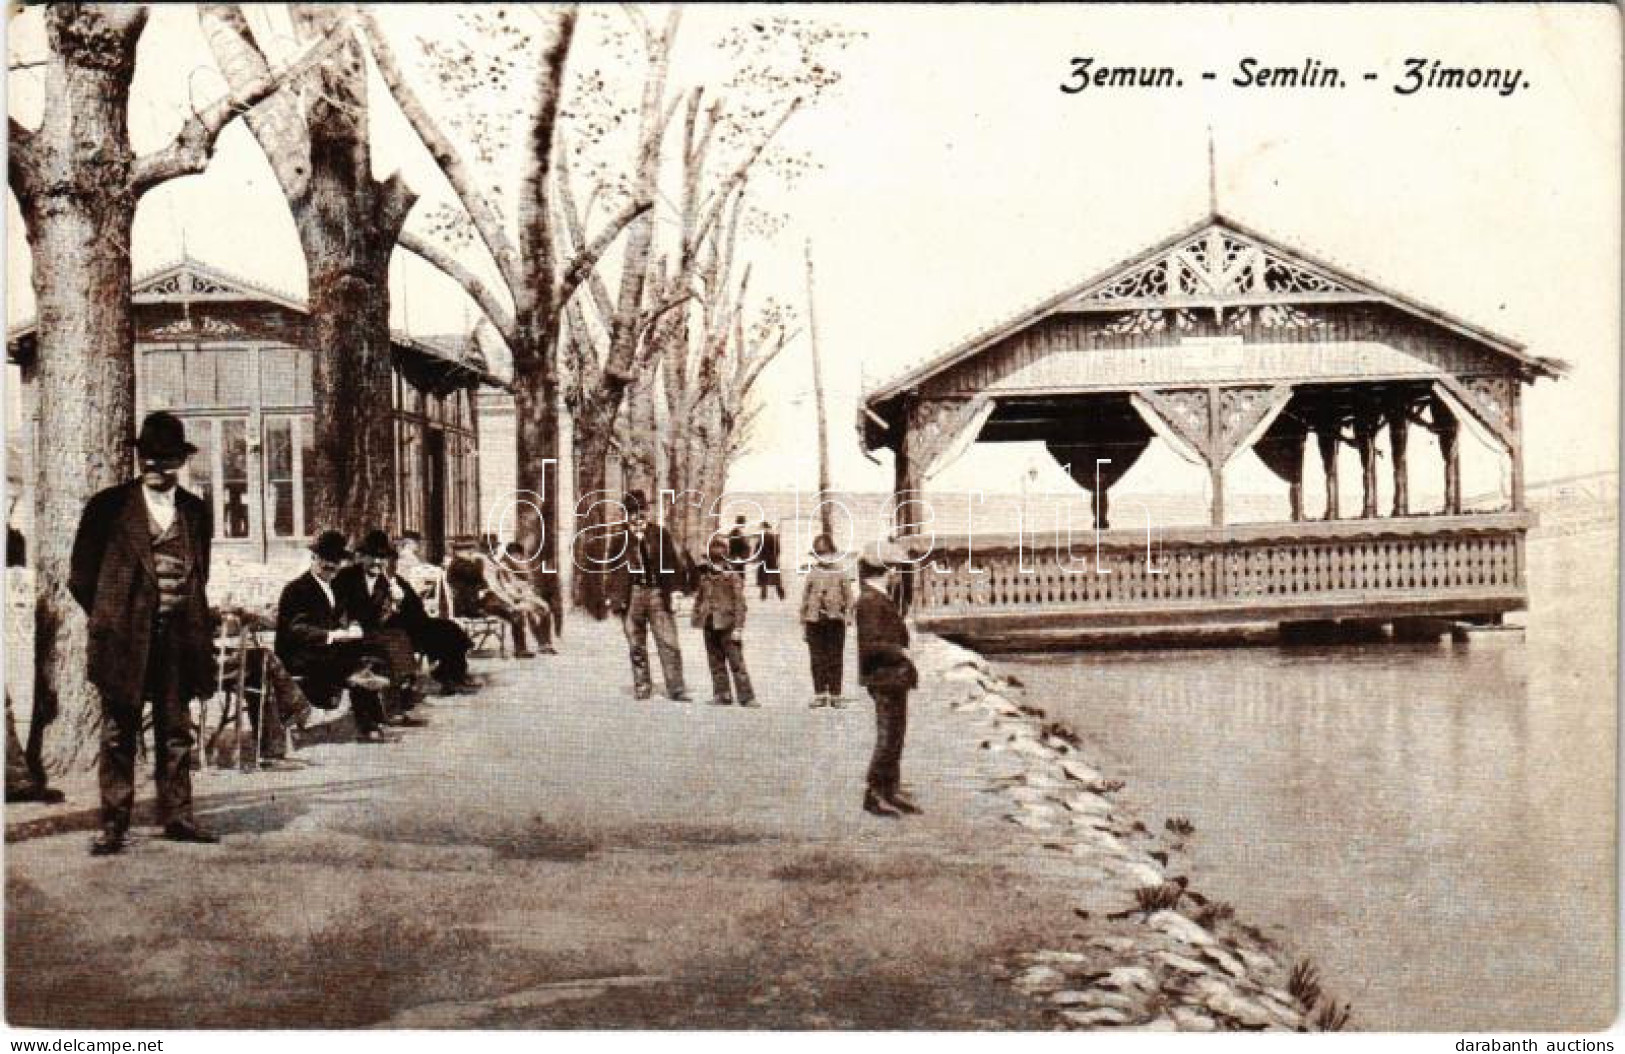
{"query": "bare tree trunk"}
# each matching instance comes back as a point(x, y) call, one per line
point(592, 456)
point(352, 384)
point(79, 209)
point(77, 184)
point(642, 459)
point(348, 223)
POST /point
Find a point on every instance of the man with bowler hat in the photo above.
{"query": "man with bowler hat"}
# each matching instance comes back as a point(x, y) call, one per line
point(644, 571)
point(885, 669)
point(139, 568)
point(387, 609)
point(321, 643)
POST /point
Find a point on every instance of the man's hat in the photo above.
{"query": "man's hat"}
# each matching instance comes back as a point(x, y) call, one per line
point(330, 545)
point(465, 541)
point(163, 436)
point(411, 536)
point(376, 543)
point(878, 556)
point(635, 501)
point(823, 545)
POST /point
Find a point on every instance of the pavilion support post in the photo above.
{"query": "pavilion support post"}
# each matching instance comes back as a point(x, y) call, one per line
point(1444, 425)
point(1366, 426)
point(1398, 437)
point(1450, 447)
point(1098, 502)
point(1215, 456)
point(1326, 438)
point(1515, 434)
point(1294, 486)
point(905, 488)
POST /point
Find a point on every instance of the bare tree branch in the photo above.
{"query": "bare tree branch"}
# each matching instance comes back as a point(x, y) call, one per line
point(652, 315)
point(714, 208)
point(489, 303)
point(589, 256)
point(278, 123)
point(480, 209)
point(761, 360)
point(189, 152)
point(573, 230)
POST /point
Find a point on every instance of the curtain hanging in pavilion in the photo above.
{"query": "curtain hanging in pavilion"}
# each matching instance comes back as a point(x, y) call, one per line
point(1281, 447)
point(1105, 460)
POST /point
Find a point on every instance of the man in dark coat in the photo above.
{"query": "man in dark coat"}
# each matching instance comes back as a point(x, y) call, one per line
point(741, 547)
point(322, 644)
point(644, 569)
point(767, 571)
point(885, 669)
point(385, 607)
point(139, 569)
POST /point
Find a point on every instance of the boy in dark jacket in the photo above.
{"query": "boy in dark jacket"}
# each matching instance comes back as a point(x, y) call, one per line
point(885, 669)
point(719, 613)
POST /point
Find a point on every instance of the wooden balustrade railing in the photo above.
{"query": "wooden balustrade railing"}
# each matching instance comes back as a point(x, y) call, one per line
point(1270, 565)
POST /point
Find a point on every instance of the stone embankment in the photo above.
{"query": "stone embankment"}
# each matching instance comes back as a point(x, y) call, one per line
point(1150, 951)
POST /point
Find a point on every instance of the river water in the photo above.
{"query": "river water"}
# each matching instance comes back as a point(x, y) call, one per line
point(1433, 825)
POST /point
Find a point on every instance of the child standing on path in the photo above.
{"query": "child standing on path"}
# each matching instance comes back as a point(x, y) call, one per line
point(719, 613)
point(826, 605)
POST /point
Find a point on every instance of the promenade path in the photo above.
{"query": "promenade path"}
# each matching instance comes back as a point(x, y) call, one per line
point(553, 853)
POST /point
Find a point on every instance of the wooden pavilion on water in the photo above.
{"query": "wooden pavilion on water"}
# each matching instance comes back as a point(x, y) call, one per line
point(1218, 340)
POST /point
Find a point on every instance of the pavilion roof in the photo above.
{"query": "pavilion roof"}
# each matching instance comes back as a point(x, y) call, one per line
point(1216, 262)
point(193, 281)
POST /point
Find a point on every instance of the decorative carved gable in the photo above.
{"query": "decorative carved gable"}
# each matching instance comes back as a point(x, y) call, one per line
point(1214, 262)
point(187, 283)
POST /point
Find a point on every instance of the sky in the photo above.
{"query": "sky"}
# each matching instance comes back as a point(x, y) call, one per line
point(957, 184)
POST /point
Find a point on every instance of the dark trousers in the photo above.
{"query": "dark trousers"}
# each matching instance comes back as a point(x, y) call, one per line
point(727, 656)
point(891, 724)
point(274, 702)
point(536, 616)
point(391, 646)
point(171, 737)
point(325, 672)
point(769, 578)
point(826, 645)
point(446, 646)
point(648, 609)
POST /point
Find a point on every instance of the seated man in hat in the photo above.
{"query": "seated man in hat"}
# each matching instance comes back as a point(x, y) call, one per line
point(521, 593)
point(476, 585)
point(321, 643)
point(386, 608)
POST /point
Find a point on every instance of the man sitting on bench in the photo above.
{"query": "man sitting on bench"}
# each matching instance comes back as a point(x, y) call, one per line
point(386, 607)
point(322, 645)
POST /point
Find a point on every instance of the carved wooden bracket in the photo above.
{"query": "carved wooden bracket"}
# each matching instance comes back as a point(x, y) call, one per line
point(936, 426)
point(1241, 410)
point(1217, 422)
point(1187, 413)
point(1492, 400)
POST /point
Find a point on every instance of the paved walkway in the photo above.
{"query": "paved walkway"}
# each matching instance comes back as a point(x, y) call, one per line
point(553, 853)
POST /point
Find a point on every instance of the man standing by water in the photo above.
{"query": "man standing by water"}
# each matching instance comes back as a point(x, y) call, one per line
point(139, 568)
point(885, 669)
point(645, 569)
